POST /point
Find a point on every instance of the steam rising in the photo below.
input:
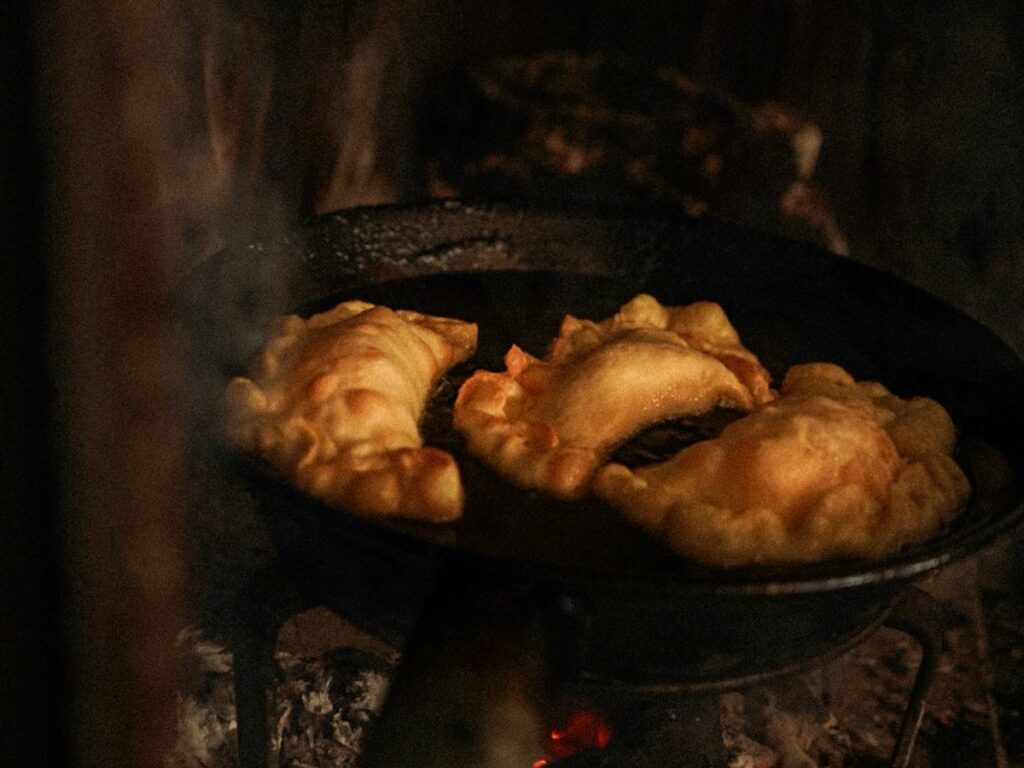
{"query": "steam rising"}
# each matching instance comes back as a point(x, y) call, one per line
point(288, 110)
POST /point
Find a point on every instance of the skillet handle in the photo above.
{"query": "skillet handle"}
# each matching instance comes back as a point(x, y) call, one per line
point(476, 680)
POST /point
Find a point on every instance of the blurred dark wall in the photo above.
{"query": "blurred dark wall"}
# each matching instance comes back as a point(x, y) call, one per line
point(920, 103)
point(298, 107)
point(30, 635)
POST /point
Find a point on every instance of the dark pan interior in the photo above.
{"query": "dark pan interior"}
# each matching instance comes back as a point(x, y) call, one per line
point(517, 272)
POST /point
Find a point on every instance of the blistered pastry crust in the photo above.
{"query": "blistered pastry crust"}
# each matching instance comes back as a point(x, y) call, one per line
point(550, 423)
point(833, 468)
point(335, 401)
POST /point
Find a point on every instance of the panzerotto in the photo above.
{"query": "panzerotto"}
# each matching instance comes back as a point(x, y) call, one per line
point(550, 423)
point(832, 468)
point(335, 401)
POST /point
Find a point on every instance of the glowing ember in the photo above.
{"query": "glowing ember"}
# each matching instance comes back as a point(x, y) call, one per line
point(583, 730)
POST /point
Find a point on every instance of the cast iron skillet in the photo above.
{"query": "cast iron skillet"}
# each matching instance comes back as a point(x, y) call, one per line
point(639, 611)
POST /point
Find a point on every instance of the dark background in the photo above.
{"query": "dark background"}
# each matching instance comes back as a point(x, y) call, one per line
point(137, 137)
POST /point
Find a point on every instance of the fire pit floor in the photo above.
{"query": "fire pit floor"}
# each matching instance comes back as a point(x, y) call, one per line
point(330, 680)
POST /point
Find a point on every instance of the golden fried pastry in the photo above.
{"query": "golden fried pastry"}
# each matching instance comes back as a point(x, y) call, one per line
point(831, 468)
point(549, 424)
point(703, 326)
point(335, 403)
